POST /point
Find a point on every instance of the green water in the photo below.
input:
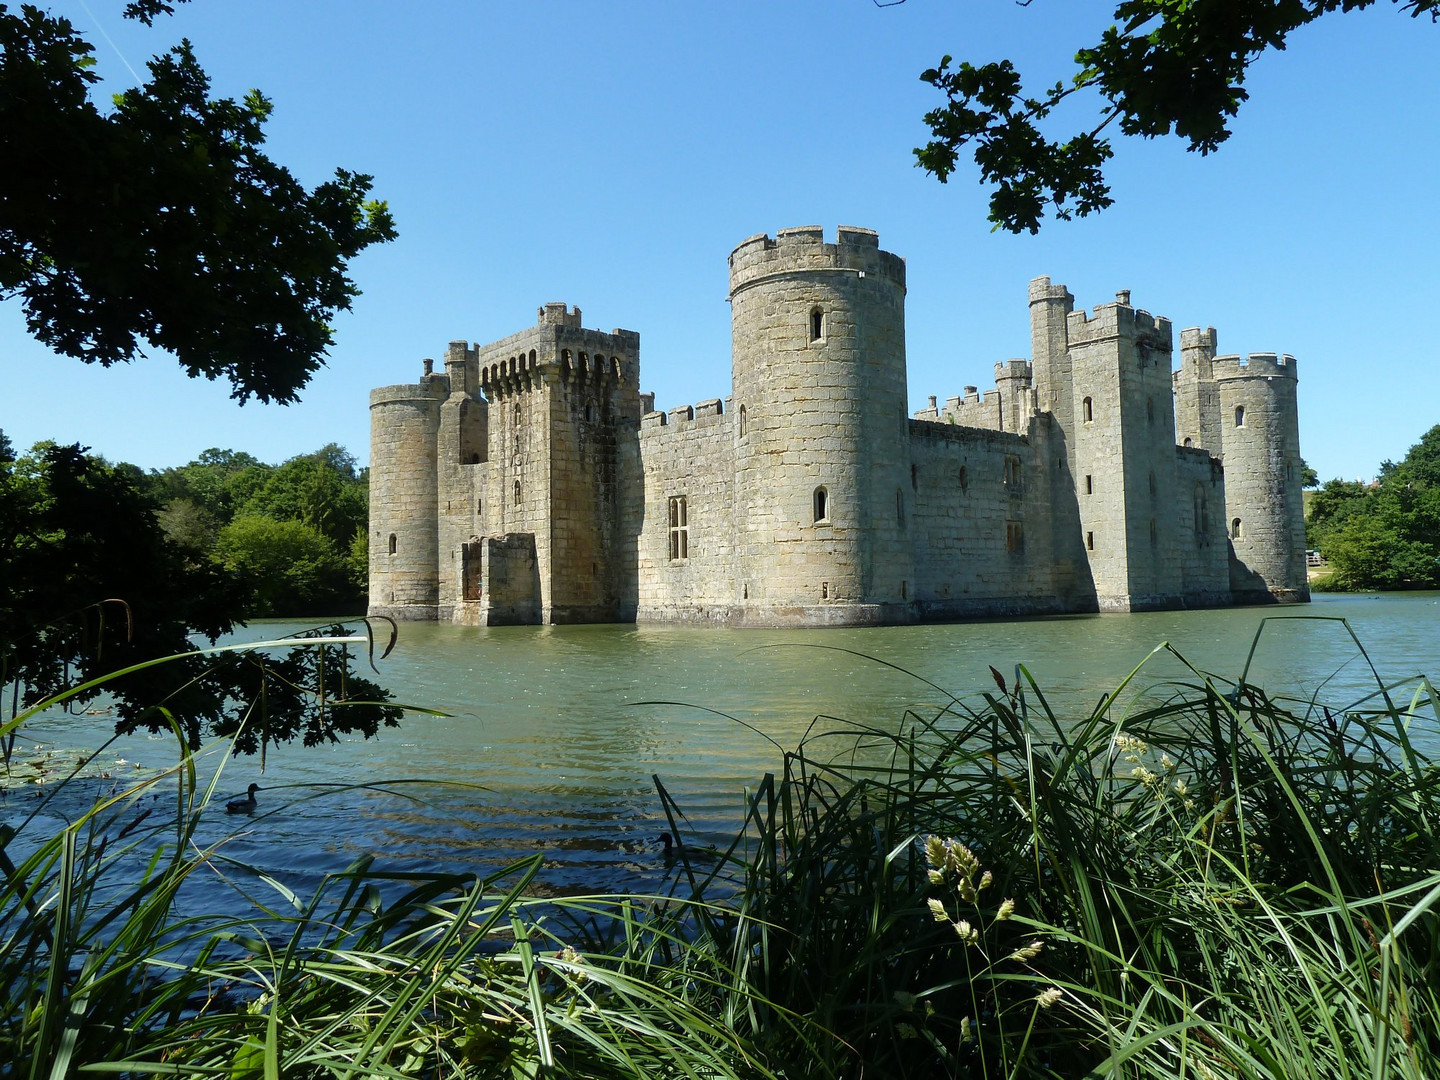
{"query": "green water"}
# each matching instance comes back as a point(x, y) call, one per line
point(554, 732)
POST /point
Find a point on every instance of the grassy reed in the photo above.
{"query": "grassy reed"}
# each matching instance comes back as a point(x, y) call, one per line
point(376, 974)
point(1195, 881)
point(1204, 882)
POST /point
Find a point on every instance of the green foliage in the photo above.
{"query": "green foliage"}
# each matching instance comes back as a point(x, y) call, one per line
point(1386, 536)
point(322, 490)
point(359, 558)
point(1204, 882)
point(161, 222)
point(1164, 67)
point(376, 974)
point(290, 530)
point(90, 584)
point(290, 567)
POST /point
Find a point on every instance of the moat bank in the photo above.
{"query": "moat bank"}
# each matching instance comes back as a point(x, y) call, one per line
point(555, 751)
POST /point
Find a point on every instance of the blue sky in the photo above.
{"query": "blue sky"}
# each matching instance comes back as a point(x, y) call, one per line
point(611, 155)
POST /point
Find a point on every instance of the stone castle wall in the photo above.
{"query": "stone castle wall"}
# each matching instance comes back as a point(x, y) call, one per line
point(532, 481)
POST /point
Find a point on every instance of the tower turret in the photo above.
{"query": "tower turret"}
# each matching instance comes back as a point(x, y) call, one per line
point(823, 489)
point(1197, 397)
point(1264, 508)
point(1122, 436)
point(404, 523)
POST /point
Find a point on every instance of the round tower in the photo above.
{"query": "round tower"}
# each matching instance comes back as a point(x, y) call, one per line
point(1264, 508)
point(404, 497)
point(823, 492)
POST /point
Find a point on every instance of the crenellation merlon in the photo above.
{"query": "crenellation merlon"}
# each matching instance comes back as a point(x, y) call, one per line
point(1011, 369)
point(1193, 337)
point(856, 251)
point(557, 314)
point(1255, 366)
point(1111, 321)
point(1041, 290)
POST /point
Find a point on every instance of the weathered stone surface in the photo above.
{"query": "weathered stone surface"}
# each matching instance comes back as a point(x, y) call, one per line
point(532, 481)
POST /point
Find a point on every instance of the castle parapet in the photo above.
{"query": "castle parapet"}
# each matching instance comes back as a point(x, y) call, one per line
point(802, 249)
point(1255, 366)
point(1194, 338)
point(429, 388)
point(557, 314)
point(1117, 320)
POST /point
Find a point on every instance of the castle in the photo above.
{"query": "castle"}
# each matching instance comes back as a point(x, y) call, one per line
point(532, 482)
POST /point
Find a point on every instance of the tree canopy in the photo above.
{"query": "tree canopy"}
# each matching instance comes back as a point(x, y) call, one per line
point(1164, 67)
point(295, 532)
point(161, 222)
point(89, 584)
point(1386, 535)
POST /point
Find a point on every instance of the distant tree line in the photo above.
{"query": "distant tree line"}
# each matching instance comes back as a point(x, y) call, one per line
point(293, 533)
point(1384, 535)
point(103, 566)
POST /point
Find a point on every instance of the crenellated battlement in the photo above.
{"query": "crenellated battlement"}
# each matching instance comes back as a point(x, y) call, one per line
point(429, 388)
point(702, 413)
point(558, 347)
point(804, 250)
point(1119, 320)
point(1255, 366)
point(1192, 337)
point(556, 314)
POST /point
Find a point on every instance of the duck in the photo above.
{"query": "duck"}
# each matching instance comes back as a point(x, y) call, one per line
point(674, 848)
point(245, 805)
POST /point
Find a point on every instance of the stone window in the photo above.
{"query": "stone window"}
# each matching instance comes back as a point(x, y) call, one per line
point(1089, 541)
point(742, 421)
point(392, 544)
point(964, 479)
point(824, 590)
point(1152, 483)
point(590, 412)
point(1150, 411)
point(817, 324)
point(1235, 531)
point(1014, 537)
point(1187, 441)
point(1012, 473)
point(479, 505)
point(1202, 513)
point(1087, 410)
point(1239, 415)
point(900, 507)
point(914, 478)
point(517, 492)
point(822, 506)
point(679, 529)
point(1089, 484)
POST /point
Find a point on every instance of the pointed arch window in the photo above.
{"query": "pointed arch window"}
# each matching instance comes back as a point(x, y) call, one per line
point(822, 505)
point(817, 324)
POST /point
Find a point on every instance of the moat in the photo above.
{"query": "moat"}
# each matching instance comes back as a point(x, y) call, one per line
point(548, 747)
